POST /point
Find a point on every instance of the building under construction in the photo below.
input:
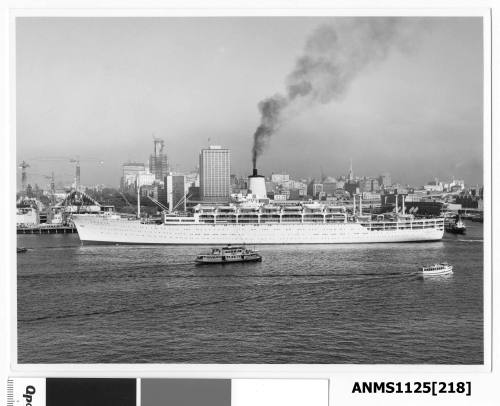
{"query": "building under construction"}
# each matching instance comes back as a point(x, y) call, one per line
point(158, 161)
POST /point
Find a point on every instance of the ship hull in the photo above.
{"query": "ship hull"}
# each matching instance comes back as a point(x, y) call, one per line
point(455, 230)
point(97, 229)
point(247, 258)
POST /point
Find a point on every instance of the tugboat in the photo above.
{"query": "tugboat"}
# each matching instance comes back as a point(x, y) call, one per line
point(229, 254)
point(437, 269)
point(455, 226)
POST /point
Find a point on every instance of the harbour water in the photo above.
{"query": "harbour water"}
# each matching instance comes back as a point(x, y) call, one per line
point(323, 304)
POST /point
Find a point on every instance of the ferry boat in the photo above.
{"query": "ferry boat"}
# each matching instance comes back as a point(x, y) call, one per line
point(229, 254)
point(437, 269)
point(254, 224)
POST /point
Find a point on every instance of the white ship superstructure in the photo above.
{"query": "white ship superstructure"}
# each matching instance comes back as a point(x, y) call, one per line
point(260, 224)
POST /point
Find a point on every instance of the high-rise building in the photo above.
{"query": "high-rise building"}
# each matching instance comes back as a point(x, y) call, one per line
point(176, 192)
point(369, 185)
point(130, 172)
point(384, 180)
point(215, 174)
point(145, 179)
point(330, 186)
point(317, 189)
point(77, 175)
point(350, 175)
point(375, 185)
point(158, 161)
point(314, 188)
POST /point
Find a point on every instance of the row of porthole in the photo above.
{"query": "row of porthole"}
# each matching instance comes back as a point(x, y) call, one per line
point(160, 230)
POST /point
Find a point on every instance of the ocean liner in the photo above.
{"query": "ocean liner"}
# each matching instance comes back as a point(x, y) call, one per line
point(264, 225)
point(254, 222)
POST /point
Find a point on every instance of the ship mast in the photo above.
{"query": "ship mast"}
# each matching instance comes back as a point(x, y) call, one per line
point(138, 197)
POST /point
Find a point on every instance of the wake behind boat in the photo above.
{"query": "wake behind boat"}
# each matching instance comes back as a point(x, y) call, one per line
point(229, 254)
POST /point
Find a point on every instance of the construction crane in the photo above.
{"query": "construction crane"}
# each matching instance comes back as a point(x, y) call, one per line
point(34, 174)
point(75, 160)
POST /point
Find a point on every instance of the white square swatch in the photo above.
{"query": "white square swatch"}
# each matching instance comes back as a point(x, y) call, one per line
point(279, 392)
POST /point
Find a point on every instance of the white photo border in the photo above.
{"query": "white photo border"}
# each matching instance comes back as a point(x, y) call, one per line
point(254, 370)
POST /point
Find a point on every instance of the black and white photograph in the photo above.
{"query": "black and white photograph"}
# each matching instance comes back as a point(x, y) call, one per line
point(251, 190)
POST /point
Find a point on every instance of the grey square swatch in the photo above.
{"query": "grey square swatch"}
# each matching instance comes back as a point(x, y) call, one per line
point(185, 392)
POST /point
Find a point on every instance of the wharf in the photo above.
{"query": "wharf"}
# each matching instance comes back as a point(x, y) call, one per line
point(47, 229)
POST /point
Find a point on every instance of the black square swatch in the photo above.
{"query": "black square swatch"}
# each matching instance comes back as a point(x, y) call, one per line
point(91, 392)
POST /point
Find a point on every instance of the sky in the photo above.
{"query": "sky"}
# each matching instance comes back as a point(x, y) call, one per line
point(101, 88)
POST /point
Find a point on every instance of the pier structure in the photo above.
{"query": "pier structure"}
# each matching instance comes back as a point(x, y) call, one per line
point(47, 229)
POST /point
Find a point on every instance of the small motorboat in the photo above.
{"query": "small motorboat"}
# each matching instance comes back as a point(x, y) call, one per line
point(229, 254)
point(437, 269)
point(455, 226)
point(20, 250)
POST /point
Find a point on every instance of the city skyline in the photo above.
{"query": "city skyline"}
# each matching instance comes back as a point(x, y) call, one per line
point(80, 96)
point(68, 179)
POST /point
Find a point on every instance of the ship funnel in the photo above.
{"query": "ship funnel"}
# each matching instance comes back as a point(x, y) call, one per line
point(257, 185)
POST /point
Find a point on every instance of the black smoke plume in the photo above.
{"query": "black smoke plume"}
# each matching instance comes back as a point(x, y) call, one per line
point(333, 57)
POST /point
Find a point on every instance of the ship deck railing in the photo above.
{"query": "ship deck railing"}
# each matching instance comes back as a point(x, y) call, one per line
point(309, 218)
